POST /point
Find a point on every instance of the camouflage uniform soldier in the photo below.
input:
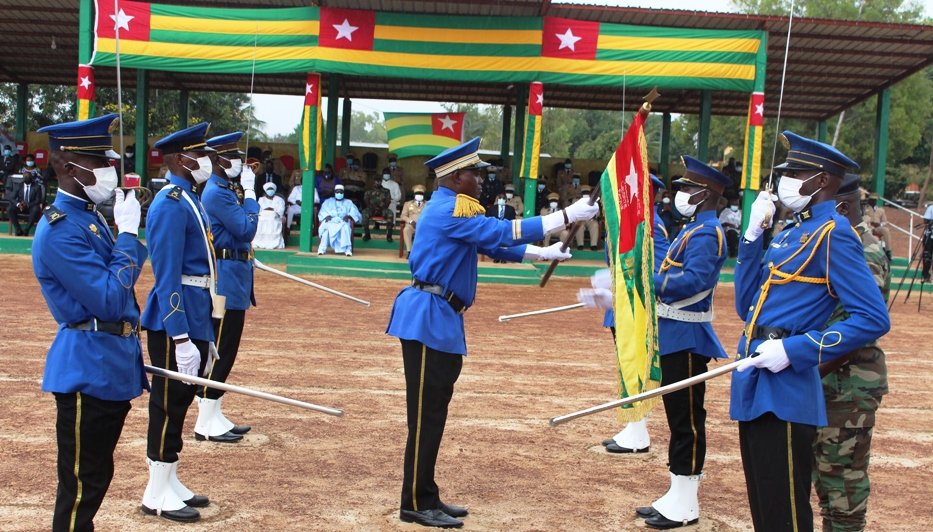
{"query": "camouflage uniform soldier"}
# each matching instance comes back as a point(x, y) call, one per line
point(853, 388)
point(377, 200)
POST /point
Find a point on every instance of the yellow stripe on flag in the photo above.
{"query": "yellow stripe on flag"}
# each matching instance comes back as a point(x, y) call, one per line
point(422, 140)
point(242, 27)
point(306, 137)
point(410, 120)
point(616, 42)
point(402, 33)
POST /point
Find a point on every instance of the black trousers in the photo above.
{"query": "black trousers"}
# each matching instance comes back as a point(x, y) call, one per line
point(169, 399)
point(13, 212)
point(88, 429)
point(429, 384)
point(778, 460)
point(686, 416)
point(228, 331)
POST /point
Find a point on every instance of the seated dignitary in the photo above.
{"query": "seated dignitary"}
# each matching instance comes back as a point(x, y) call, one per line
point(337, 216)
point(786, 294)
point(26, 199)
point(410, 212)
point(427, 316)
point(553, 199)
point(95, 365)
point(271, 210)
point(514, 201)
point(501, 209)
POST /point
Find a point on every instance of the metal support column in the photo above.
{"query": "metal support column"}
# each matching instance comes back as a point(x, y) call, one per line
point(821, 129)
point(330, 134)
point(184, 114)
point(664, 157)
point(706, 108)
point(882, 113)
point(142, 125)
point(504, 144)
point(345, 118)
point(22, 103)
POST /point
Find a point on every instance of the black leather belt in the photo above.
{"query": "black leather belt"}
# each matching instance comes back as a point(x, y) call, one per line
point(121, 328)
point(762, 332)
point(233, 254)
point(439, 290)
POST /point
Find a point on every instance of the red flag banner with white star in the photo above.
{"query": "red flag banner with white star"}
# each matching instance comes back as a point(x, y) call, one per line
point(87, 104)
point(423, 133)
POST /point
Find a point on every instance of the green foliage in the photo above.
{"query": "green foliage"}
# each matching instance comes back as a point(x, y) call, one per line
point(878, 10)
point(483, 121)
point(364, 127)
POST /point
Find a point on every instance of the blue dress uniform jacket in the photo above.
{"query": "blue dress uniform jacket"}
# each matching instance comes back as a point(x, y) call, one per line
point(661, 243)
point(445, 253)
point(85, 274)
point(176, 248)
point(803, 308)
point(233, 226)
point(695, 258)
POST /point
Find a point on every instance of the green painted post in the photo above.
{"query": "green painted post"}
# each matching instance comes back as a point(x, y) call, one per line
point(706, 108)
point(330, 133)
point(142, 125)
point(521, 103)
point(504, 143)
point(184, 113)
point(882, 113)
point(85, 31)
point(346, 118)
point(664, 158)
point(821, 130)
point(22, 100)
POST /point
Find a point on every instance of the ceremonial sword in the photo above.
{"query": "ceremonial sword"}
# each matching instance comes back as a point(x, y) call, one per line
point(263, 267)
point(539, 312)
point(200, 381)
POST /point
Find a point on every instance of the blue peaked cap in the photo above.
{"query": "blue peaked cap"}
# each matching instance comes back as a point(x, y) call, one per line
point(226, 143)
point(806, 154)
point(658, 184)
point(85, 137)
point(698, 174)
point(459, 157)
point(190, 139)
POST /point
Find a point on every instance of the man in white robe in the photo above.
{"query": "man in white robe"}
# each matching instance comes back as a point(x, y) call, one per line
point(271, 210)
point(337, 217)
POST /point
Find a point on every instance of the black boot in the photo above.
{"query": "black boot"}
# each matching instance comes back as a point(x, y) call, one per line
point(366, 236)
point(389, 234)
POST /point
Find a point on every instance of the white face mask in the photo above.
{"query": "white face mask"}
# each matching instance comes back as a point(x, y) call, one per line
point(509, 196)
point(203, 171)
point(666, 201)
point(419, 198)
point(392, 165)
point(386, 177)
point(102, 190)
point(491, 176)
point(734, 208)
point(789, 192)
point(501, 202)
point(682, 202)
point(270, 192)
point(236, 166)
point(553, 204)
point(540, 188)
point(338, 195)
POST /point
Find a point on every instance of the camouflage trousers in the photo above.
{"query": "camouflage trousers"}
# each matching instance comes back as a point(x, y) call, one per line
point(842, 455)
point(388, 214)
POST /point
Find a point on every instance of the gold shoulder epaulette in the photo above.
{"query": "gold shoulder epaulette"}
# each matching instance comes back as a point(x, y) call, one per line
point(468, 207)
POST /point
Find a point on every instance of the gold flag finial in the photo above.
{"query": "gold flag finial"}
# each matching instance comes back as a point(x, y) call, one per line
point(652, 96)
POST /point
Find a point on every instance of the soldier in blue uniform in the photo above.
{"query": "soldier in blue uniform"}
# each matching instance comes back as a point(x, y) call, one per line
point(178, 314)
point(428, 315)
point(95, 365)
point(634, 438)
point(233, 224)
point(786, 299)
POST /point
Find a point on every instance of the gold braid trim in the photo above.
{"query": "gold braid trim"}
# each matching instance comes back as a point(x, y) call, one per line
point(467, 207)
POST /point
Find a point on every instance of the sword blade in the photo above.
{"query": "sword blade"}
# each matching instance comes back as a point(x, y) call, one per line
point(280, 273)
point(200, 381)
point(663, 390)
point(539, 312)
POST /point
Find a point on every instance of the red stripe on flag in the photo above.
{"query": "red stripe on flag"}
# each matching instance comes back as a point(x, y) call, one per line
point(447, 125)
point(132, 17)
point(536, 98)
point(312, 89)
point(569, 39)
point(85, 82)
point(756, 114)
point(347, 28)
point(630, 173)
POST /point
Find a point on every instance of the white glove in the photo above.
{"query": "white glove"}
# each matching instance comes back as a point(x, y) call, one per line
point(248, 179)
point(581, 210)
point(126, 212)
point(595, 298)
point(602, 279)
point(771, 356)
point(188, 358)
point(212, 356)
point(552, 252)
point(762, 208)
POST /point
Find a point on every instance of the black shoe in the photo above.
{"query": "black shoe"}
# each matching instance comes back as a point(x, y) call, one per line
point(453, 511)
point(198, 501)
point(610, 441)
point(366, 236)
point(436, 518)
point(407, 254)
point(226, 437)
point(389, 238)
point(20, 233)
point(579, 248)
point(239, 429)
point(659, 522)
point(646, 512)
point(617, 449)
point(592, 248)
point(185, 515)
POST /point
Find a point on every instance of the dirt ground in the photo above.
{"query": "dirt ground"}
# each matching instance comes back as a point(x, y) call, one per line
point(300, 470)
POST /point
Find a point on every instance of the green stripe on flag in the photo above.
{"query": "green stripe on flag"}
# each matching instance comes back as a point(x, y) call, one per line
point(735, 58)
point(625, 30)
point(225, 39)
point(459, 23)
point(291, 13)
point(404, 131)
point(464, 49)
point(418, 149)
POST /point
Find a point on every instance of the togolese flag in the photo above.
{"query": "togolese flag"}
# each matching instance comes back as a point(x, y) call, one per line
point(423, 133)
point(628, 198)
point(87, 101)
point(532, 149)
point(309, 152)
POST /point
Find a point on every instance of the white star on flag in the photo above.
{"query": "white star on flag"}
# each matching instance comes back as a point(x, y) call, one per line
point(760, 109)
point(345, 30)
point(122, 20)
point(541, 99)
point(632, 179)
point(309, 89)
point(568, 40)
point(85, 82)
point(448, 123)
